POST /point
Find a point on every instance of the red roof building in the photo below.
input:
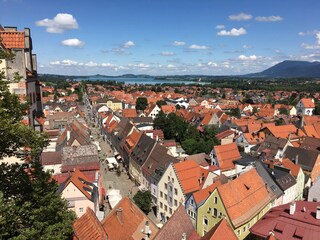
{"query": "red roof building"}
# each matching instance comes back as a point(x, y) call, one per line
point(298, 220)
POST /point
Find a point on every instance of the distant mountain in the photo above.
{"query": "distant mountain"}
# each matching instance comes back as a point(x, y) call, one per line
point(288, 69)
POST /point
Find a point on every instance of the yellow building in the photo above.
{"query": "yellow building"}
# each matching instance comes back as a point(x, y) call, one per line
point(242, 202)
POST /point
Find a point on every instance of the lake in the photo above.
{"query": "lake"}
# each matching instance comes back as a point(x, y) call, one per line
point(132, 81)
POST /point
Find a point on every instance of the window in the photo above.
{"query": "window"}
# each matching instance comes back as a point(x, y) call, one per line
point(191, 201)
point(170, 188)
point(166, 186)
point(175, 202)
point(244, 229)
point(209, 210)
point(81, 209)
point(249, 225)
point(172, 180)
point(161, 205)
point(239, 232)
point(168, 178)
point(165, 208)
point(205, 221)
point(166, 196)
point(161, 194)
point(170, 199)
point(215, 212)
point(176, 191)
point(215, 200)
point(170, 210)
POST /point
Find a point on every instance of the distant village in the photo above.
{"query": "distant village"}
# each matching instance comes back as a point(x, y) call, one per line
point(260, 182)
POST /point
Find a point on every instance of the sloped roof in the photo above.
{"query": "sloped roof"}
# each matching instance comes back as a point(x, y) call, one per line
point(88, 227)
point(204, 193)
point(244, 197)
point(224, 134)
point(221, 231)
point(49, 158)
point(129, 225)
point(168, 108)
point(190, 175)
point(283, 131)
point(307, 102)
point(129, 113)
point(226, 154)
point(294, 168)
point(305, 158)
point(310, 143)
point(302, 224)
point(81, 182)
point(310, 131)
point(142, 149)
point(272, 144)
point(179, 223)
point(158, 161)
point(12, 39)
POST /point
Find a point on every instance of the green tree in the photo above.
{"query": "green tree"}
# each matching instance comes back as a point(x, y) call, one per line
point(160, 121)
point(161, 103)
point(143, 200)
point(235, 112)
point(15, 136)
point(141, 103)
point(283, 110)
point(30, 208)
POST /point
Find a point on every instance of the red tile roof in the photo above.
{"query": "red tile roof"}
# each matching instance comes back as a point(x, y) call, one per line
point(88, 227)
point(125, 222)
point(221, 231)
point(301, 225)
point(203, 194)
point(12, 39)
point(224, 134)
point(307, 103)
point(294, 168)
point(244, 197)
point(226, 154)
point(129, 113)
point(191, 176)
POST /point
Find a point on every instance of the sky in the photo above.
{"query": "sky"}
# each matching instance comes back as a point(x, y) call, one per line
point(165, 37)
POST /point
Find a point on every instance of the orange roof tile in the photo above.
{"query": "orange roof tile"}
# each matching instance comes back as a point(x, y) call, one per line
point(79, 180)
point(294, 168)
point(203, 194)
point(12, 39)
point(310, 131)
point(128, 224)
point(129, 113)
point(191, 176)
point(168, 108)
point(307, 102)
point(88, 227)
point(226, 154)
point(220, 231)
point(244, 197)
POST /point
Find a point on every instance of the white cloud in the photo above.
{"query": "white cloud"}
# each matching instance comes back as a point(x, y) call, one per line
point(212, 64)
point(60, 23)
point(66, 62)
point(248, 58)
point(240, 17)
point(310, 46)
point(233, 32)
point(91, 64)
point(308, 33)
point(246, 46)
point(167, 54)
point(198, 47)
point(318, 37)
point(177, 43)
point(108, 65)
point(128, 44)
point(220, 27)
point(269, 19)
point(73, 42)
point(171, 66)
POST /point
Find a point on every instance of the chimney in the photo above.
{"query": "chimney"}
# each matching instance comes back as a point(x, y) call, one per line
point(318, 213)
point(292, 208)
point(146, 231)
point(68, 135)
point(184, 236)
point(119, 214)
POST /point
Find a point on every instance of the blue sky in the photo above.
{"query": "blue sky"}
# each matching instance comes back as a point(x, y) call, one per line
point(166, 36)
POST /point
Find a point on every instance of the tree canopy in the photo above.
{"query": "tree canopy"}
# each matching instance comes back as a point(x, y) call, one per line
point(143, 200)
point(30, 207)
point(141, 103)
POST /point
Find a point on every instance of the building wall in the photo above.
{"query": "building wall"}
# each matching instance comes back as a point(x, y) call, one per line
point(56, 168)
point(316, 170)
point(289, 195)
point(77, 201)
point(213, 210)
point(227, 140)
point(170, 194)
point(191, 209)
point(300, 185)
